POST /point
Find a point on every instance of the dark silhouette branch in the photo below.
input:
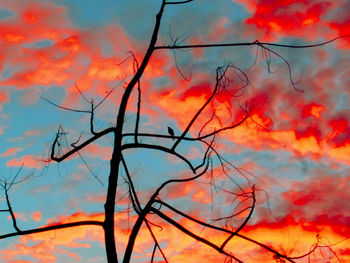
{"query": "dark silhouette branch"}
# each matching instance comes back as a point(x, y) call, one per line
point(285, 62)
point(138, 111)
point(117, 149)
point(65, 108)
point(205, 139)
point(137, 205)
point(255, 43)
point(147, 209)
point(219, 75)
point(13, 217)
point(135, 65)
point(92, 130)
point(76, 148)
point(153, 252)
point(90, 169)
point(191, 234)
point(160, 148)
point(178, 3)
point(201, 137)
point(244, 222)
point(138, 208)
point(224, 230)
point(53, 227)
point(7, 186)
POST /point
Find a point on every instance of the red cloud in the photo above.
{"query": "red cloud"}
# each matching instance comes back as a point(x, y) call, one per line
point(341, 21)
point(321, 200)
point(341, 131)
point(307, 19)
point(4, 96)
point(313, 110)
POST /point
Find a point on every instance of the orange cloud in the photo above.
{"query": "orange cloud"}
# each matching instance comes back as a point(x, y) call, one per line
point(95, 150)
point(27, 161)
point(287, 236)
point(33, 132)
point(47, 49)
point(320, 205)
point(36, 216)
point(48, 245)
point(11, 151)
point(280, 118)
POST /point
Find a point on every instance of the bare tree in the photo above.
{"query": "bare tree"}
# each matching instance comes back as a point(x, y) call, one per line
point(201, 132)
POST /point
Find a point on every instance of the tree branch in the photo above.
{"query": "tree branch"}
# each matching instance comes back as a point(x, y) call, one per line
point(50, 228)
point(224, 230)
point(76, 148)
point(244, 222)
point(191, 234)
point(14, 222)
point(117, 150)
point(178, 3)
point(219, 76)
point(255, 43)
point(160, 148)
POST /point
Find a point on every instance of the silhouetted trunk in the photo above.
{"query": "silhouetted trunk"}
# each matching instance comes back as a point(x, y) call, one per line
point(116, 156)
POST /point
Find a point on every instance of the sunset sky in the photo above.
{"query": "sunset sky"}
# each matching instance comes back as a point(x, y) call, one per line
point(294, 147)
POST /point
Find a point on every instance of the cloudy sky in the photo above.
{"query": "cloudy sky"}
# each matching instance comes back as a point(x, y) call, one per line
point(294, 147)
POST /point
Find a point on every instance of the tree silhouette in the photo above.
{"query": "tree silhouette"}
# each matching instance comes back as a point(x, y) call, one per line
point(202, 130)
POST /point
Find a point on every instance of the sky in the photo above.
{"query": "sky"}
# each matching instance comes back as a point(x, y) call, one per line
point(294, 147)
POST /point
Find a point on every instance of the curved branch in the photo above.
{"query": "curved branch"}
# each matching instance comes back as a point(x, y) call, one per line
point(160, 148)
point(64, 108)
point(76, 148)
point(178, 3)
point(244, 222)
point(146, 210)
point(285, 62)
point(156, 193)
point(224, 128)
